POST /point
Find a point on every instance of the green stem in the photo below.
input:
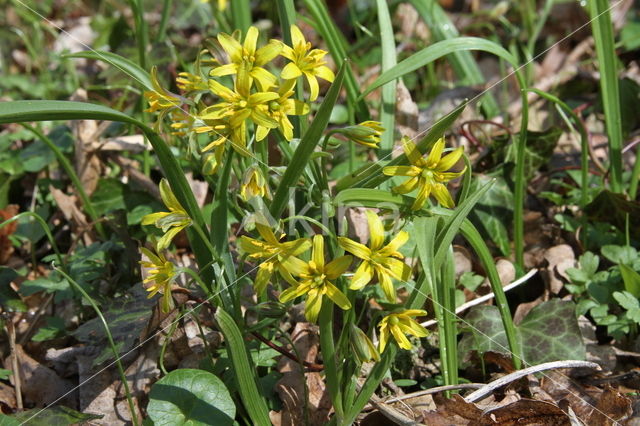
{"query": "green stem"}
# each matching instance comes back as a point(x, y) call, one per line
point(68, 168)
point(142, 36)
point(450, 329)
point(329, 356)
point(520, 181)
point(123, 377)
point(635, 176)
point(167, 339)
point(47, 232)
point(162, 30)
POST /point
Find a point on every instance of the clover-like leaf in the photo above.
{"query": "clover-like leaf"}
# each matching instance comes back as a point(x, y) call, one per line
point(190, 397)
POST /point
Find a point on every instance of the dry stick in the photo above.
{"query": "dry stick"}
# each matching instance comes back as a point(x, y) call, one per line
point(429, 391)
point(489, 388)
point(11, 331)
point(486, 297)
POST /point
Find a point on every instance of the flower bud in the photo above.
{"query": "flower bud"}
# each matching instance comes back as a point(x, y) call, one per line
point(366, 133)
point(254, 184)
point(362, 346)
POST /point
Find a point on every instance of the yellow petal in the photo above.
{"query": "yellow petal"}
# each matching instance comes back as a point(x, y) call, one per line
point(442, 195)
point(296, 36)
point(222, 91)
point(423, 193)
point(397, 242)
point(324, 73)
point(291, 293)
point(313, 305)
point(337, 266)
point(264, 78)
point(152, 218)
point(376, 231)
point(231, 46)
point(265, 271)
point(165, 240)
point(296, 247)
point(261, 132)
point(295, 266)
point(384, 338)
point(402, 340)
point(357, 249)
point(314, 89)
point(401, 171)
point(449, 160)
point(251, 40)
point(414, 312)
point(435, 154)
point(268, 52)
point(167, 196)
point(317, 255)
point(266, 233)
point(411, 151)
point(387, 285)
point(407, 186)
point(362, 276)
point(337, 296)
point(290, 71)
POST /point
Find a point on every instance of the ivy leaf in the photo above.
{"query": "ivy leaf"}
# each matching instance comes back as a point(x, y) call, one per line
point(193, 397)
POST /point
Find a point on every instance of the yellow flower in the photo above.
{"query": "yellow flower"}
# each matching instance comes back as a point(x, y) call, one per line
point(280, 108)
point(245, 58)
point(162, 275)
point(273, 252)
point(222, 4)
point(171, 222)
point(190, 82)
point(237, 107)
point(384, 261)
point(254, 184)
point(160, 99)
point(366, 133)
point(315, 280)
point(305, 61)
point(428, 175)
point(398, 324)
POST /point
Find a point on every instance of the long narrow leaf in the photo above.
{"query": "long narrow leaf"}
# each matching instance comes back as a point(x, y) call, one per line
point(128, 67)
point(388, 104)
point(606, 53)
point(243, 371)
point(309, 141)
point(462, 62)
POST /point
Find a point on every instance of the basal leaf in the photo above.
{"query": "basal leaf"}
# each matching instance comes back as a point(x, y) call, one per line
point(190, 397)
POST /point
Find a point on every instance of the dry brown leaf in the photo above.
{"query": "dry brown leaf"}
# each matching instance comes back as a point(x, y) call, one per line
point(87, 163)
point(560, 258)
point(561, 387)
point(611, 408)
point(7, 398)
point(291, 387)
point(6, 248)
point(524, 412)
point(41, 385)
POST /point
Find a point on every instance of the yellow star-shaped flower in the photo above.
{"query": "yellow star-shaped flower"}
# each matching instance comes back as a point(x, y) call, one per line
point(171, 222)
point(382, 260)
point(305, 60)
point(428, 175)
point(398, 324)
point(162, 273)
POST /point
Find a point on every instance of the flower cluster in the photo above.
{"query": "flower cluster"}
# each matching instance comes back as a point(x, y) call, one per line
point(260, 98)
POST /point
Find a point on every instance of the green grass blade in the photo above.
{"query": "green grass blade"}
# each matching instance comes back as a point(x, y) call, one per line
point(388, 104)
point(241, 14)
point(327, 347)
point(141, 31)
point(606, 53)
point(437, 51)
point(337, 47)
point(309, 141)
point(426, 229)
point(463, 63)
point(287, 16)
point(128, 67)
point(448, 330)
point(473, 236)
point(370, 197)
point(244, 371)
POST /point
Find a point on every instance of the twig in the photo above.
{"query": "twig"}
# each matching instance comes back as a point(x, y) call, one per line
point(11, 331)
point(486, 297)
point(509, 378)
point(310, 365)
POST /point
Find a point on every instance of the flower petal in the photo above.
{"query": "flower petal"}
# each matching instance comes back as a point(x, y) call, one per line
point(165, 240)
point(268, 52)
point(296, 36)
point(402, 340)
point(324, 73)
point(313, 305)
point(376, 231)
point(231, 46)
point(265, 271)
point(397, 242)
point(397, 268)
point(357, 249)
point(251, 40)
point(295, 266)
point(407, 186)
point(411, 151)
point(337, 266)
point(362, 276)
point(436, 154)
point(317, 255)
point(337, 296)
point(449, 160)
point(424, 189)
point(442, 195)
point(264, 78)
point(314, 89)
point(384, 338)
point(290, 71)
point(401, 171)
point(168, 198)
point(226, 69)
point(387, 285)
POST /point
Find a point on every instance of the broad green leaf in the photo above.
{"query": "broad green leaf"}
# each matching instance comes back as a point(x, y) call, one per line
point(5, 374)
point(54, 328)
point(612, 208)
point(57, 415)
point(626, 300)
point(631, 279)
point(436, 51)
point(190, 397)
point(9, 299)
point(128, 67)
point(549, 332)
point(309, 141)
point(388, 104)
point(620, 254)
